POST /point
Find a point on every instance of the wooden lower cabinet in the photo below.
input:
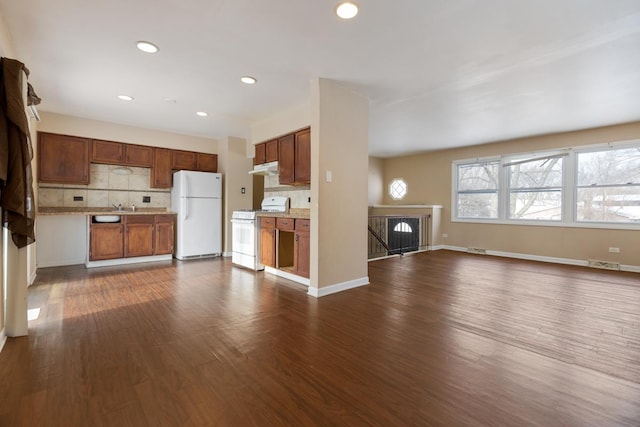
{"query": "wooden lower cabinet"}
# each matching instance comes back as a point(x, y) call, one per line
point(134, 236)
point(138, 236)
point(163, 234)
point(268, 241)
point(301, 248)
point(106, 241)
point(285, 244)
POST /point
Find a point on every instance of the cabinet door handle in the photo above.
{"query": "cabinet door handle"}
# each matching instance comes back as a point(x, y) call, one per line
point(297, 237)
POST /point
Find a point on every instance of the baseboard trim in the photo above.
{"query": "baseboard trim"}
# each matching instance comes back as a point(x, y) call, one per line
point(123, 261)
point(227, 254)
point(338, 287)
point(287, 275)
point(541, 258)
point(3, 339)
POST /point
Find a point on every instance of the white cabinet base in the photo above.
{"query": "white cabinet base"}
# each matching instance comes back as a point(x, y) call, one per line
point(123, 261)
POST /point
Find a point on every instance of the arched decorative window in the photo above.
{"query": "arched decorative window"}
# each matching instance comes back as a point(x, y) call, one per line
point(403, 227)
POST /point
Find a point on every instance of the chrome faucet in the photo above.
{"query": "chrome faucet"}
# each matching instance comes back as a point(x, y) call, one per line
point(118, 207)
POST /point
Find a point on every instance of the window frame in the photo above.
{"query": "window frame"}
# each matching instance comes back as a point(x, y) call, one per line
point(406, 188)
point(569, 188)
point(457, 191)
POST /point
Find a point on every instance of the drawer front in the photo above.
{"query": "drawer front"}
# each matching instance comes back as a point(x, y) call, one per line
point(138, 219)
point(267, 222)
point(284, 224)
point(303, 224)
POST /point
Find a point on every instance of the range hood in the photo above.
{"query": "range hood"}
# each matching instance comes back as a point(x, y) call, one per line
point(268, 169)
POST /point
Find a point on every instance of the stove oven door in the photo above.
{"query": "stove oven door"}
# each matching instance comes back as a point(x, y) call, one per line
point(244, 244)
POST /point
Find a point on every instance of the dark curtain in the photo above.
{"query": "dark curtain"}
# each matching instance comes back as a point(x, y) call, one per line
point(16, 153)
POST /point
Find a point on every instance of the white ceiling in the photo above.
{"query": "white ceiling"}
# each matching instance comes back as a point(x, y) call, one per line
point(439, 73)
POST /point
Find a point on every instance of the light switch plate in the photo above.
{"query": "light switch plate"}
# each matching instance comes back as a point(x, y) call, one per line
point(329, 177)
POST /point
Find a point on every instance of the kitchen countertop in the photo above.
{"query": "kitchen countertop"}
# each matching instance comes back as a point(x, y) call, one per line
point(293, 213)
point(102, 211)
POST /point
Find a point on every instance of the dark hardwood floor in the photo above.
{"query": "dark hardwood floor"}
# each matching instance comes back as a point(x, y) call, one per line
point(437, 339)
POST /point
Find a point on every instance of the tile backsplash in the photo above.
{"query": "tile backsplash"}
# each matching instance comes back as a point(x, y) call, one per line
point(299, 195)
point(107, 185)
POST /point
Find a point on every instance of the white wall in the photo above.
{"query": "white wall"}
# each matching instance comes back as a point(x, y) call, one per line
point(376, 181)
point(339, 146)
point(235, 167)
point(285, 122)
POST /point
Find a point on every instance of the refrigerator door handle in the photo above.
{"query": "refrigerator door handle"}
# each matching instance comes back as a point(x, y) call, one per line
point(186, 208)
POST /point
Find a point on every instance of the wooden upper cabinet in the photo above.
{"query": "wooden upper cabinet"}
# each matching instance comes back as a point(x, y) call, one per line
point(107, 152)
point(207, 162)
point(302, 167)
point(63, 159)
point(138, 155)
point(271, 151)
point(183, 160)
point(161, 170)
point(117, 153)
point(261, 154)
point(286, 159)
point(294, 158)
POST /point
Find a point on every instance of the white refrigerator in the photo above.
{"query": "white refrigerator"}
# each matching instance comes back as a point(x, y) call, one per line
point(197, 199)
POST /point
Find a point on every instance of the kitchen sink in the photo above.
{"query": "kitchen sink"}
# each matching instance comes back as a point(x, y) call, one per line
point(106, 218)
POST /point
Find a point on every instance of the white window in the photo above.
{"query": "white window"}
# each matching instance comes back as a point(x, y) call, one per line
point(575, 186)
point(535, 189)
point(608, 185)
point(397, 189)
point(477, 190)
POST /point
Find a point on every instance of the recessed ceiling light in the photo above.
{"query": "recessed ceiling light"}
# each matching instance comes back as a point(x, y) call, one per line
point(147, 47)
point(202, 114)
point(125, 97)
point(248, 80)
point(347, 10)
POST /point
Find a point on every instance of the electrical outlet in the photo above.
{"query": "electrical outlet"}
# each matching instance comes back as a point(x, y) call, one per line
point(445, 235)
point(614, 250)
point(146, 199)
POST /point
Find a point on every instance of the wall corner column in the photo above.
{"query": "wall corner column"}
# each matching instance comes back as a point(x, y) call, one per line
point(339, 188)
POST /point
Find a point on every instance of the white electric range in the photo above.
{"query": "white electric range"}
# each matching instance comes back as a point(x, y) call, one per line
point(245, 242)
